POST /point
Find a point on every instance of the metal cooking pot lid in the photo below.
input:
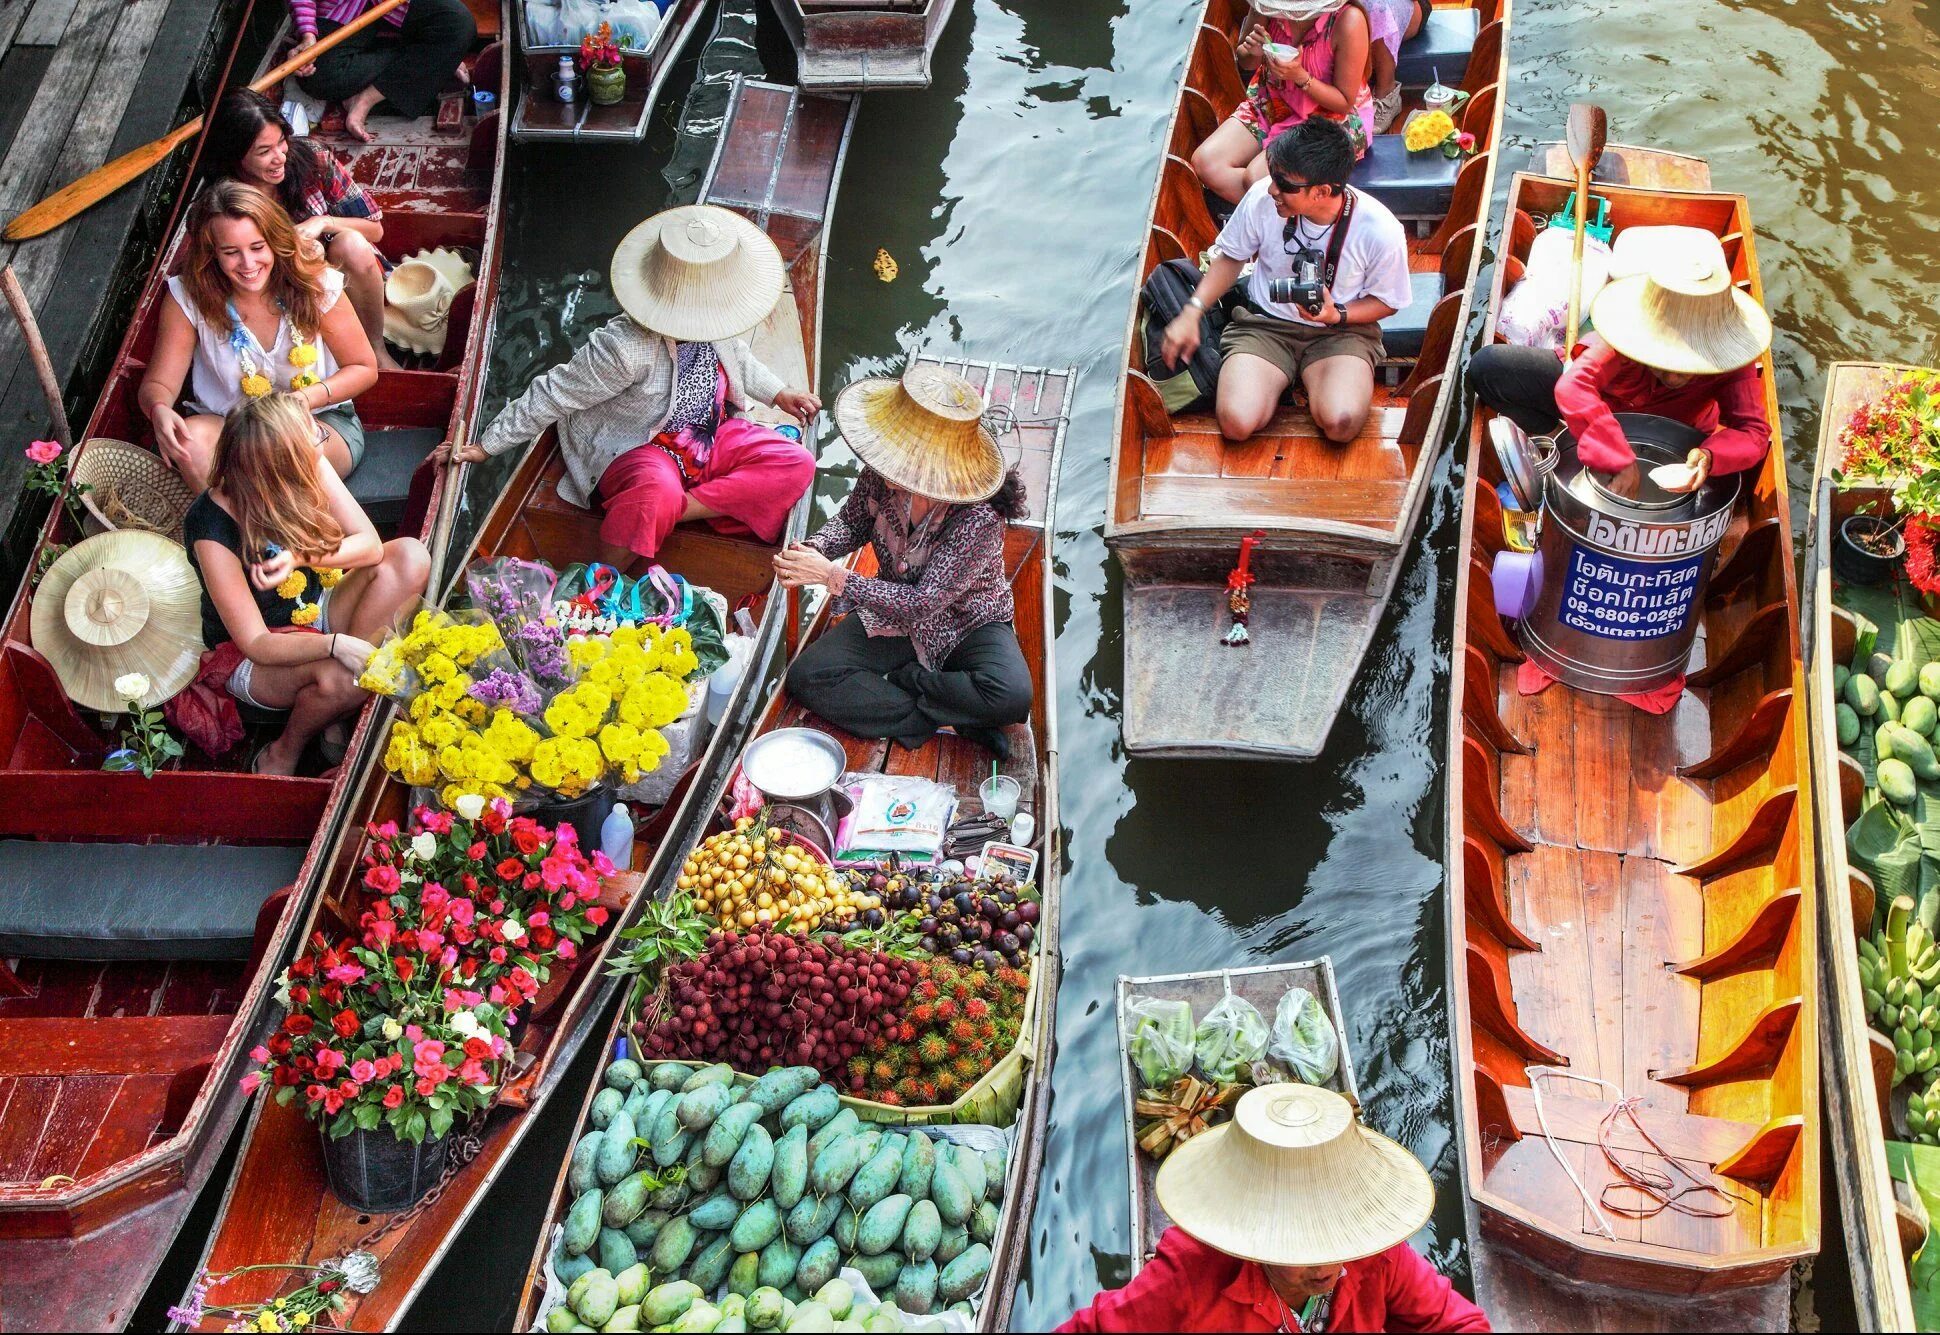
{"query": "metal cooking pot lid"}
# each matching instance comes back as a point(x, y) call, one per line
point(794, 763)
point(1517, 454)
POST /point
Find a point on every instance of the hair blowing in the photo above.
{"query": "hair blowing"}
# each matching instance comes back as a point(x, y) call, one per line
point(266, 469)
point(237, 123)
point(296, 279)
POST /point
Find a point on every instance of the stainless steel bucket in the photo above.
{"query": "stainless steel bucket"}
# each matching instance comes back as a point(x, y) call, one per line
point(1624, 564)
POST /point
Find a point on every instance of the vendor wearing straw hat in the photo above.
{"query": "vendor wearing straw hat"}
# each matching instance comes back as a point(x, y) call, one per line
point(930, 643)
point(1678, 340)
point(645, 408)
point(1291, 1217)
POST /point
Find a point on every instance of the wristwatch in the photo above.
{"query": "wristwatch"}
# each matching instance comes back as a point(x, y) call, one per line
point(1196, 304)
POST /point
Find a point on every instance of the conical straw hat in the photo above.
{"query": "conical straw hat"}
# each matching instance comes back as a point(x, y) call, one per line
point(120, 602)
point(1295, 1179)
point(924, 432)
point(697, 273)
point(1682, 314)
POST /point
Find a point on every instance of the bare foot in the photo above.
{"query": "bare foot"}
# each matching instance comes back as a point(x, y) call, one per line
point(386, 362)
point(277, 758)
point(357, 111)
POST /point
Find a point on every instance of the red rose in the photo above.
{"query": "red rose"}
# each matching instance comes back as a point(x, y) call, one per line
point(405, 967)
point(394, 1096)
point(299, 1025)
point(526, 837)
point(346, 1023)
point(596, 915)
point(479, 1048)
point(510, 869)
point(300, 996)
point(382, 879)
point(426, 1087)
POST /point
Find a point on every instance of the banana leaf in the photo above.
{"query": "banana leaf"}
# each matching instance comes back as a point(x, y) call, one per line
point(1865, 642)
point(1917, 640)
point(1884, 844)
point(1919, 1166)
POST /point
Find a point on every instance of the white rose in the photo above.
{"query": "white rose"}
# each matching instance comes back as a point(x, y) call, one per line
point(464, 1022)
point(132, 686)
point(514, 930)
point(471, 806)
point(392, 1031)
point(424, 845)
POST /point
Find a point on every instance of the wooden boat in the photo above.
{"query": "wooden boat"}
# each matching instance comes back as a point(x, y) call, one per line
point(1632, 902)
point(1036, 406)
point(864, 44)
point(1882, 1230)
point(121, 1038)
point(1334, 523)
point(541, 115)
point(277, 1208)
point(1263, 985)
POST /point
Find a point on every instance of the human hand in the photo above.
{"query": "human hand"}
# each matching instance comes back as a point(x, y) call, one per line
point(1327, 312)
point(1181, 340)
point(800, 404)
point(1250, 47)
point(312, 229)
point(352, 652)
point(1688, 476)
point(471, 452)
point(1287, 69)
point(801, 565)
point(172, 437)
point(271, 571)
point(304, 42)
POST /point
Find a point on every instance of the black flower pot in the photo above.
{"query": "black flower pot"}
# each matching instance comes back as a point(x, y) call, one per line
point(376, 1173)
point(585, 814)
point(1856, 563)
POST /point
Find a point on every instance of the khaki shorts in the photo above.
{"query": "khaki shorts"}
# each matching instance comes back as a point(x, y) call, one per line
point(1294, 347)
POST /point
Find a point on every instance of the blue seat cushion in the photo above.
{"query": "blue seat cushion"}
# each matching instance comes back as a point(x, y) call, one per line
point(1441, 47)
point(94, 901)
point(1402, 332)
point(1412, 185)
point(382, 480)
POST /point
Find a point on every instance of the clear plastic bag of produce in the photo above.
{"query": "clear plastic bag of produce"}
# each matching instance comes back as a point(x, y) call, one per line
point(1303, 1037)
point(1161, 1040)
point(1231, 1038)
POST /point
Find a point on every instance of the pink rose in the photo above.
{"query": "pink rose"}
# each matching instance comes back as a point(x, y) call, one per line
point(259, 1054)
point(249, 1083)
point(44, 451)
point(363, 1071)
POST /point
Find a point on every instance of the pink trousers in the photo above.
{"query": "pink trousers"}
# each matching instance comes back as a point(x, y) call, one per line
point(751, 480)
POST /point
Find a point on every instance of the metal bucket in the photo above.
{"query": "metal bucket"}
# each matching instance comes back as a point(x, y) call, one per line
point(1623, 564)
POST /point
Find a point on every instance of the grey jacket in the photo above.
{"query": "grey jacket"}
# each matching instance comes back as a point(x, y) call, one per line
point(614, 396)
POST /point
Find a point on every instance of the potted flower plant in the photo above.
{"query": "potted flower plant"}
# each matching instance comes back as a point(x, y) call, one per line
point(1891, 448)
point(599, 56)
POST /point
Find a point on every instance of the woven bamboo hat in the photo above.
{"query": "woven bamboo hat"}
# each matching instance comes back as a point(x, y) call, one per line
point(924, 432)
point(1296, 1180)
point(1682, 313)
point(120, 602)
point(697, 273)
point(129, 487)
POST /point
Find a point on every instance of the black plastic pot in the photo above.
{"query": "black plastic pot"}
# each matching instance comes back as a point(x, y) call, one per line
point(585, 814)
point(376, 1173)
point(1858, 564)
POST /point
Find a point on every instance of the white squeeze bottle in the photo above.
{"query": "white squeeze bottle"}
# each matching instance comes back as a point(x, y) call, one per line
point(721, 685)
point(616, 836)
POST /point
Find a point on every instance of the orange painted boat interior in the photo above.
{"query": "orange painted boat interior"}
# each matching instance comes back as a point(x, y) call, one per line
point(1178, 472)
point(1634, 898)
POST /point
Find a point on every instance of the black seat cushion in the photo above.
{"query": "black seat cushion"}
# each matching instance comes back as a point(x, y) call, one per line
point(1401, 333)
point(1412, 185)
point(1441, 47)
point(383, 477)
point(92, 901)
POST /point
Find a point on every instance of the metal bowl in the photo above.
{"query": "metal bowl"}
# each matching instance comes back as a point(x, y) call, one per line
point(794, 763)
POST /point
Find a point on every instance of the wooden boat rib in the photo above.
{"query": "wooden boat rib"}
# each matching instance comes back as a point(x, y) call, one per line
point(1632, 900)
point(118, 1075)
point(1880, 1232)
point(542, 116)
point(1335, 521)
point(864, 45)
point(1033, 407)
point(1263, 985)
point(278, 1208)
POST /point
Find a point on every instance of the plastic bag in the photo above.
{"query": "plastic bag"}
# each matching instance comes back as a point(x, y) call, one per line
point(543, 26)
point(1535, 314)
point(1161, 1042)
point(635, 23)
point(1304, 1038)
point(895, 814)
point(1231, 1037)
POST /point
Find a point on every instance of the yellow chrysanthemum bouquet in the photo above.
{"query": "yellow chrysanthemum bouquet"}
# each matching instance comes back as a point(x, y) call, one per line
point(1436, 129)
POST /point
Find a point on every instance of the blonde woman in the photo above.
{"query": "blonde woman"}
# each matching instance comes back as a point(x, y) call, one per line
point(293, 573)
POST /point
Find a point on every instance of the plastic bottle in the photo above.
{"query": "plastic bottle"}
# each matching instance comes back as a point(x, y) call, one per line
point(616, 836)
point(721, 685)
point(565, 81)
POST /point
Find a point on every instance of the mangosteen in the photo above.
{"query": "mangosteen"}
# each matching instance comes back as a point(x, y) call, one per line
point(965, 901)
point(929, 944)
point(1008, 942)
point(960, 956)
point(879, 883)
point(1010, 921)
point(991, 960)
point(1027, 910)
point(1006, 897)
point(927, 927)
point(872, 918)
point(1026, 934)
point(991, 909)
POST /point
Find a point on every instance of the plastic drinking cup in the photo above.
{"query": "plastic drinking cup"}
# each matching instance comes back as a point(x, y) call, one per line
point(999, 795)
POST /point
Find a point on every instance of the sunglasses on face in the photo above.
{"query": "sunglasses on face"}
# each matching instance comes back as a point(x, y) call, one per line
point(1286, 187)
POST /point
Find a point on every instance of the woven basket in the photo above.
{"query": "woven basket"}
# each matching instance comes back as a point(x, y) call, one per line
point(129, 487)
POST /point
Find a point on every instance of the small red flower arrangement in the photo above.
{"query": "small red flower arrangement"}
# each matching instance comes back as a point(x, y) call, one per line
point(598, 48)
point(1923, 555)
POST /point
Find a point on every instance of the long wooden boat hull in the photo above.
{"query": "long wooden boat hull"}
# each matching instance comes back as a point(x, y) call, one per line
point(1632, 901)
point(863, 45)
point(118, 1081)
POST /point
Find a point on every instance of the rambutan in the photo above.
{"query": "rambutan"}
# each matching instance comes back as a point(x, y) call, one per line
point(963, 1031)
point(858, 1069)
point(978, 981)
point(928, 990)
point(932, 1049)
point(945, 974)
point(946, 1010)
point(922, 1014)
point(926, 1090)
point(987, 1031)
point(883, 1073)
point(947, 1085)
point(1015, 979)
point(976, 1008)
point(907, 1090)
point(953, 1048)
point(890, 1097)
point(967, 1069)
point(906, 1032)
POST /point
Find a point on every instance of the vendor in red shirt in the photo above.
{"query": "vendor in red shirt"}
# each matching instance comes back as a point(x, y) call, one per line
point(1291, 1217)
point(1677, 340)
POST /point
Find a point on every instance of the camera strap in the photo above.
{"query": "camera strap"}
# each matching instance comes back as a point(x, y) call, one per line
point(1338, 241)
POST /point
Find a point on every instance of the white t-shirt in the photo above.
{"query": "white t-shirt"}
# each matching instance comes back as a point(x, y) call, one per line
point(1373, 261)
point(215, 377)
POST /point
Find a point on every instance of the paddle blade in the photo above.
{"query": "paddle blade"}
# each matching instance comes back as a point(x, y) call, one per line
point(1589, 130)
point(79, 195)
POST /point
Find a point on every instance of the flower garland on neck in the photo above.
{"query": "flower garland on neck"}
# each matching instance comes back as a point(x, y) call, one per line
point(254, 383)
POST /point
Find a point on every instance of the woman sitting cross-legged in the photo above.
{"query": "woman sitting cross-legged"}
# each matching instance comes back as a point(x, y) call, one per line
point(645, 408)
point(292, 573)
point(254, 309)
point(930, 642)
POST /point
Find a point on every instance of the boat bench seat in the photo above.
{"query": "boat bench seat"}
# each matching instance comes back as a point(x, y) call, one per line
point(1402, 332)
point(1442, 47)
point(383, 477)
point(105, 901)
point(1412, 185)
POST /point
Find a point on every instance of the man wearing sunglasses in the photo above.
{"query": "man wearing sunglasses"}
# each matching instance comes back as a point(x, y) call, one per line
point(1303, 211)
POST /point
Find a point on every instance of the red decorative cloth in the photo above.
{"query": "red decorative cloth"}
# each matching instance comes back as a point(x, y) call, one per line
point(205, 712)
point(1532, 680)
point(752, 478)
point(1190, 1287)
point(1602, 382)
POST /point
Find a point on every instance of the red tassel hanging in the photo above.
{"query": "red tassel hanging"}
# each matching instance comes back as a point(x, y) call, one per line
point(1238, 601)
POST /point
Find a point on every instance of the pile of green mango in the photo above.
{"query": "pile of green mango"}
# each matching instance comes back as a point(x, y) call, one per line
point(687, 1176)
point(1902, 704)
point(1899, 973)
point(681, 1307)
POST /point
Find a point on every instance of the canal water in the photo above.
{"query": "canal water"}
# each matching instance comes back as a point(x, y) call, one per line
point(1013, 195)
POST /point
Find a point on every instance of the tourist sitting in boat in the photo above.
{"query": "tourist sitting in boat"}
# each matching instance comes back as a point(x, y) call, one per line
point(930, 643)
point(282, 547)
point(1290, 1217)
point(1390, 23)
point(401, 62)
point(253, 310)
point(1678, 340)
point(1303, 210)
point(646, 409)
point(1306, 58)
point(250, 141)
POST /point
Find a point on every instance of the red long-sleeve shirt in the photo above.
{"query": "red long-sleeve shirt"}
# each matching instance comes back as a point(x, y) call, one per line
point(1190, 1287)
point(1602, 382)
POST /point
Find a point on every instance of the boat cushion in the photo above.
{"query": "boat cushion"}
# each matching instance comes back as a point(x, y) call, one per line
point(1412, 185)
point(1441, 47)
point(383, 477)
point(101, 901)
point(1401, 333)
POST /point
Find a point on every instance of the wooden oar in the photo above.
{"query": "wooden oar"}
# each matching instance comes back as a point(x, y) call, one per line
point(97, 185)
point(1588, 128)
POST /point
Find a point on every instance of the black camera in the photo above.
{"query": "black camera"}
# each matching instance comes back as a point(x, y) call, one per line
point(1304, 289)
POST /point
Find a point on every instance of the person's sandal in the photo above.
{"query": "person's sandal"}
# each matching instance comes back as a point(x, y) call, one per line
point(334, 742)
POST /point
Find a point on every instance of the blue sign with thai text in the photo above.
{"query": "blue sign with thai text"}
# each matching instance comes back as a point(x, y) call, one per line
point(1616, 599)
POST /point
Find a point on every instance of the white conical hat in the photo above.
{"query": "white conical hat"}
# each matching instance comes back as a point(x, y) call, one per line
point(417, 299)
point(1296, 1180)
point(697, 273)
point(116, 603)
point(1679, 311)
point(924, 432)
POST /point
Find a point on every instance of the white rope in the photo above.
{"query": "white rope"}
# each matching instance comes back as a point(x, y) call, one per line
point(1540, 1073)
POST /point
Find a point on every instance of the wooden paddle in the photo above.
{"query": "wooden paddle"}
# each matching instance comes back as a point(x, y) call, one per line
point(1588, 129)
point(80, 195)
